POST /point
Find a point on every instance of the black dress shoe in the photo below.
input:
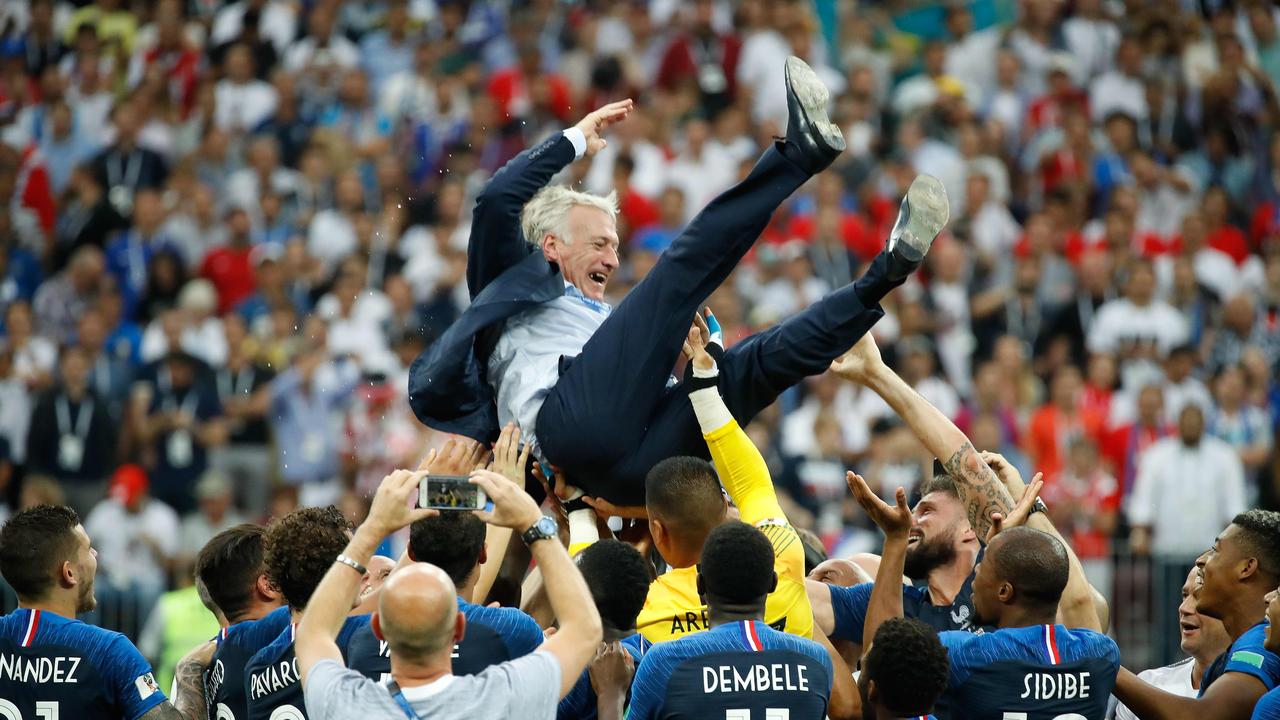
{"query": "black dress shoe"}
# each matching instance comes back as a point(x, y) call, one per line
point(814, 140)
point(925, 210)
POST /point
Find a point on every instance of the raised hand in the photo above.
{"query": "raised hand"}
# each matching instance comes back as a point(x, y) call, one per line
point(1020, 512)
point(1008, 474)
point(597, 120)
point(604, 508)
point(512, 506)
point(612, 669)
point(695, 345)
point(391, 510)
point(510, 458)
point(861, 359)
point(895, 522)
point(458, 457)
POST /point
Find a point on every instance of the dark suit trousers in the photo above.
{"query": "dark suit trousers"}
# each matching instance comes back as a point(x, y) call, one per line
point(612, 416)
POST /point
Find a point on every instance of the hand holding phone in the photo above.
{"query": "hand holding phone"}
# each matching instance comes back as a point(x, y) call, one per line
point(451, 492)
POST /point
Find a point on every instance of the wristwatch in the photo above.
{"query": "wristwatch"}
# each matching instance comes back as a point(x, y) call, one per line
point(545, 529)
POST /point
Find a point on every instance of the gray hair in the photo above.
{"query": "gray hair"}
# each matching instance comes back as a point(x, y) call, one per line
point(545, 213)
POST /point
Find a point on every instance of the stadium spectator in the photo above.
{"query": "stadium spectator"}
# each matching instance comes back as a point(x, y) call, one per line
point(183, 421)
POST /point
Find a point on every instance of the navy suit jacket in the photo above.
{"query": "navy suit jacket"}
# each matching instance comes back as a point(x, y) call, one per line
point(448, 387)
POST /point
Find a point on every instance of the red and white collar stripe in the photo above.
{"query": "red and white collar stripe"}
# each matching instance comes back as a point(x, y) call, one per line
point(1051, 644)
point(33, 624)
point(749, 635)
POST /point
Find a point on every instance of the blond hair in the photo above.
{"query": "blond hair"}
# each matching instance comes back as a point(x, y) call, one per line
point(546, 212)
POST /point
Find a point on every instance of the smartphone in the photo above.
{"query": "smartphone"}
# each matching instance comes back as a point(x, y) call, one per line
point(451, 492)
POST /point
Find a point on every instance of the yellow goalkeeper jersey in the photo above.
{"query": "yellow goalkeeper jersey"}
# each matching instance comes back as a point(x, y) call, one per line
point(673, 608)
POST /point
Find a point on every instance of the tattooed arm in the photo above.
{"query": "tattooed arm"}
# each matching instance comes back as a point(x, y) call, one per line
point(979, 488)
point(188, 702)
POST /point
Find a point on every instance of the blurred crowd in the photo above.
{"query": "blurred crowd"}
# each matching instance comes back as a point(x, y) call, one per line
point(227, 228)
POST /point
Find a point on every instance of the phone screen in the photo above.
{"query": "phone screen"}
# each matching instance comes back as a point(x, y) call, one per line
point(443, 492)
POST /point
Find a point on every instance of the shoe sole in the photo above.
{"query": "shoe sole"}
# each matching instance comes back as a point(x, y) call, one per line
point(813, 97)
point(925, 211)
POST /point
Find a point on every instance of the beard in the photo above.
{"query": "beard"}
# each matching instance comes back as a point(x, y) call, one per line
point(928, 554)
point(86, 601)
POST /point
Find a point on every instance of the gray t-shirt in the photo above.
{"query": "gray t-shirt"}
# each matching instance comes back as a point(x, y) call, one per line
point(528, 687)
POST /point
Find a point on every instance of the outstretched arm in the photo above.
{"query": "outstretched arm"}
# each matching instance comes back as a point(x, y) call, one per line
point(496, 240)
point(895, 523)
point(979, 488)
point(1230, 697)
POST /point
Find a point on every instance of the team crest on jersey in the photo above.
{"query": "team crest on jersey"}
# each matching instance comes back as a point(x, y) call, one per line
point(962, 617)
point(146, 685)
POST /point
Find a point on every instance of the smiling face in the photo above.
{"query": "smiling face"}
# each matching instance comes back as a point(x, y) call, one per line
point(1219, 570)
point(588, 255)
point(1199, 633)
point(937, 528)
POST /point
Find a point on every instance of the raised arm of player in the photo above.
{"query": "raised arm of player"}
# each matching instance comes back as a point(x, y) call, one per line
point(980, 489)
point(580, 632)
point(316, 638)
point(1230, 697)
point(895, 522)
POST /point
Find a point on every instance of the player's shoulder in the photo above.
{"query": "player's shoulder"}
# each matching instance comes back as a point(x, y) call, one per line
point(256, 633)
point(272, 651)
point(779, 640)
point(859, 594)
point(98, 644)
point(1268, 707)
point(500, 616)
point(638, 645)
point(1252, 638)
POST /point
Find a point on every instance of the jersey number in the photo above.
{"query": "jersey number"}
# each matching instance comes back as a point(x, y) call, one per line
point(1023, 716)
point(769, 714)
point(224, 713)
point(289, 712)
point(45, 710)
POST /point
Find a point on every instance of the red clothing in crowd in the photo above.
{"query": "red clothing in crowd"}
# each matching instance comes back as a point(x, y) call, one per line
point(231, 272)
point(515, 97)
point(1050, 432)
point(637, 210)
point(182, 69)
point(1076, 502)
point(1230, 240)
point(681, 61)
point(855, 232)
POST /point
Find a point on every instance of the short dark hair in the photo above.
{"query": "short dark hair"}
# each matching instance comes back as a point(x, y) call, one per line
point(1035, 562)
point(909, 666)
point(33, 545)
point(452, 541)
point(737, 564)
point(299, 549)
point(1260, 531)
point(229, 565)
point(618, 579)
point(684, 492)
point(940, 483)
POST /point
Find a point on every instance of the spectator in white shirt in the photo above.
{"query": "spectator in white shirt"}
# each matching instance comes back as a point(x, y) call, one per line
point(992, 229)
point(1247, 428)
point(1121, 89)
point(1181, 386)
point(278, 22)
point(1092, 38)
point(262, 175)
point(242, 101)
point(1187, 489)
point(1137, 327)
point(1165, 195)
point(332, 235)
point(971, 56)
point(322, 49)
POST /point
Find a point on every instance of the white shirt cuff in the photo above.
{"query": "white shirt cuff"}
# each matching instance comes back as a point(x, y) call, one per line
point(579, 140)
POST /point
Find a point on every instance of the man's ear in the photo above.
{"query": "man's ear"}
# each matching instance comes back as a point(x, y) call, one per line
point(67, 575)
point(1248, 568)
point(484, 554)
point(459, 628)
point(408, 550)
point(1005, 593)
point(658, 531)
point(265, 588)
point(376, 624)
point(774, 585)
point(873, 696)
point(549, 250)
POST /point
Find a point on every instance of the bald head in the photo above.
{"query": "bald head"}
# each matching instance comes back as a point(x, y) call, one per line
point(418, 612)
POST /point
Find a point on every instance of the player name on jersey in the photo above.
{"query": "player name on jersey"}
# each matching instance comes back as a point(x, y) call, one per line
point(20, 668)
point(273, 678)
point(688, 622)
point(1055, 686)
point(771, 677)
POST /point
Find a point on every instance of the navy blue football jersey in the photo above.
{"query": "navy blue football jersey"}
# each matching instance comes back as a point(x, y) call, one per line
point(849, 606)
point(742, 670)
point(1268, 708)
point(272, 685)
point(581, 702)
point(57, 667)
point(1246, 655)
point(494, 635)
point(1040, 672)
point(224, 680)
